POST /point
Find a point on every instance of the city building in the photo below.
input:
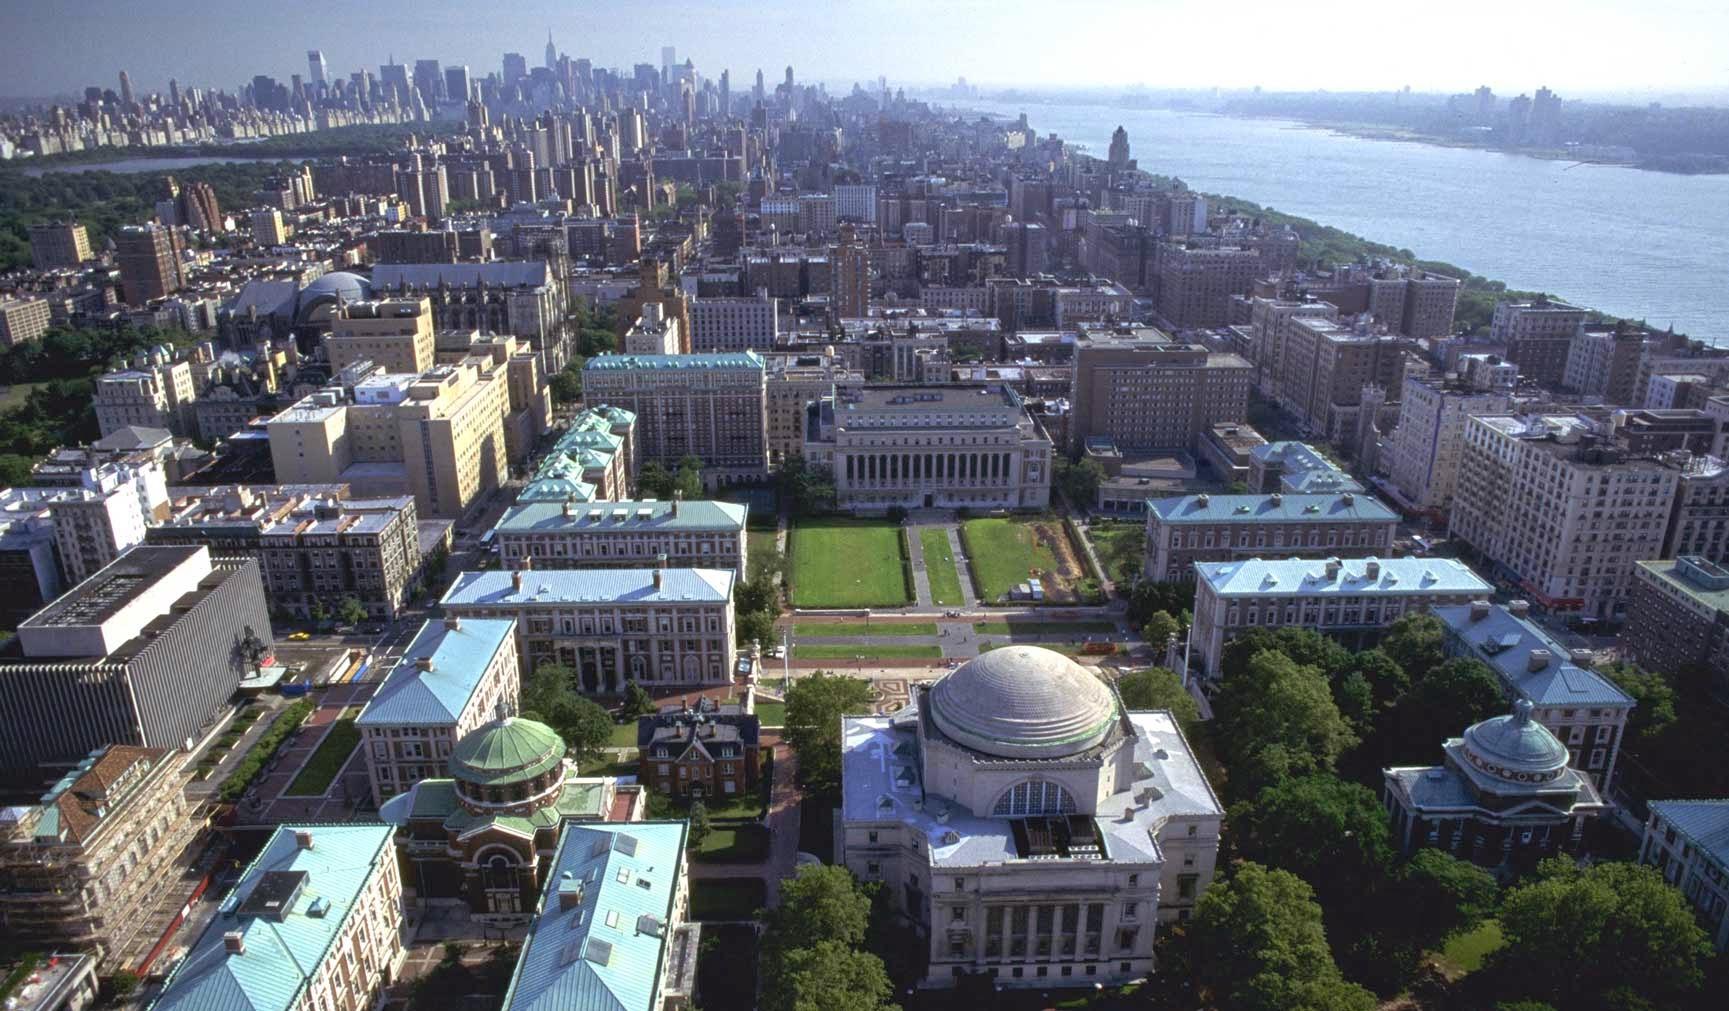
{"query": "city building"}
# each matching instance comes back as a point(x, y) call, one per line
point(1147, 393)
point(1184, 530)
point(1585, 711)
point(652, 333)
point(522, 298)
point(735, 324)
point(1195, 283)
point(55, 244)
point(98, 509)
point(23, 319)
point(1031, 829)
point(149, 260)
point(1296, 468)
point(923, 446)
point(1538, 336)
point(707, 406)
point(394, 334)
point(792, 384)
point(1350, 599)
point(144, 652)
point(1604, 361)
point(1325, 366)
point(1503, 797)
point(701, 534)
point(662, 627)
point(594, 460)
point(267, 227)
point(1556, 507)
point(709, 750)
point(1270, 322)
point(452, 678)
point(438, 435)
point(82, 866)
point(527, 390)
point(1678, 620)
point(1421, 454)
point(315, 924)
point(28, 559)
point(156, 392)
point(612, 929)
point(1688, 840)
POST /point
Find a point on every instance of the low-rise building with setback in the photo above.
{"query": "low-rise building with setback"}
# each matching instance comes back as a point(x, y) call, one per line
point(1297, 468)
point(1185, 530)
point(1688, 841)
point(395, 334)
point(702, 534)
point(709, 750)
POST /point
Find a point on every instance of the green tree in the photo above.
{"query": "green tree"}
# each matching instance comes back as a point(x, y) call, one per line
point(592, 341)
point(637, 701)
point(754, 627)
point(1330, 833)
point(546, 686)
point(1277, 721)
point(1258, 945)
point(699, 827)
point(1304, 646)
point(1159, 688)
point(584, 725)
point(1453, 894)
point(1615, 935)
point(1653, 698)
point(318, 610)
point(687, 483)
point(350, 611)
point(122, 983)
point(1451, 697)
point(819, 903)
point(828, 976)
point(655, 481)
point(1160, 627)
point(566, 384)
point(814, 707)
point(1417, 643)
point(1150, 596)
point(1079, 482)
point(1384, 676)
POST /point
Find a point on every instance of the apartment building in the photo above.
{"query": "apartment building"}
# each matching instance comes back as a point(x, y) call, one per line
point(1604, 361)
point(1269, 328)
point(1195, 283)
point(1354, 599)
point(623, 534)
point(594, 460)
point(522, 298)
point(157, 392)
point(1421, 454)
point(438, 435)
point(394, 334)
point(526, 386)
point(453, 678)
point(707, 406)
point(735, 324)
point(1688, 841)
point(1146, 392)
point(792, 384)
point(1325, 367)
point(1553, 504)
point(315, 924)
point(1585, 711)
point(661, 627)
point(1678, 620)
point(1538, 336)
point(23, 319)
point(149, 260)
point(313, 548)
point(1185, 530)
point(1415, 303)
point(83, 866)
point(55, 244)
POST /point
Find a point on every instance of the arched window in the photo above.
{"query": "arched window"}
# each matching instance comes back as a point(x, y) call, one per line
point(498, 871)
point(1033, 798)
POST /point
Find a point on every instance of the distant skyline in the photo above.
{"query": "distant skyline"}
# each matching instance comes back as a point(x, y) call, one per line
point(1668, 49)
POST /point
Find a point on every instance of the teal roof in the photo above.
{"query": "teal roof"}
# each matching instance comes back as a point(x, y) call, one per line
point(280, 957)
point(413, 696)
point(726, 360)
point(505, 751)
point(1505, 642)
point(605, 951)
point(557, 489)
point(577, 801)
point(1279, 508)
point(495, 587)
point(612, 517)
point(1704, 822)
point(1307, 577)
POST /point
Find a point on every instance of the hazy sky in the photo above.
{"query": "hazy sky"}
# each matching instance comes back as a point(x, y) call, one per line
point(1672, 48)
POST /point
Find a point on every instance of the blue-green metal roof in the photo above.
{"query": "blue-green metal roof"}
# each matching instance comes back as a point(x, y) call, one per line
point(280, 957)
point(724, 360)
point(1307, 577)
point(1270, 508)
point(412, 696)
point(1704, 822)
point(610, 517)
point(1505, 642)
point(574, 586)
point(595, 954)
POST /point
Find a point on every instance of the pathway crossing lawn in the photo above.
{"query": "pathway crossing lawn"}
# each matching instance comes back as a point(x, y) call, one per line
point(1002, 553)
point(1119, 547)
point(1016, 626)
point(841, 651)
point(759, 545)
point(847, 563)
point(322, 768)
point(940, 567)
point(853, 629)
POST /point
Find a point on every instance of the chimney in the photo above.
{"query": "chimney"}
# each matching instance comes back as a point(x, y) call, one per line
point(423, 662)
point(1333, 566)
point(675, 502)
point(234, 942)
point(303, 838)
point(453, 622)
point(1519, 608)
point(569, 893)
point(567, 508)
point(516, 580)
point(1277, 499)
point(1372, 569)
point(528, 561)
point(1479, 610)
point(660, 577)
point(1538, 659)
point(1348, 498)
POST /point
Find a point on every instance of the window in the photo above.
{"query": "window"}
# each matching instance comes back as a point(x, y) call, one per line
point(960, 884)
point(874, 869)
point(1033, 798)
point(957, 914)
point(1134, 879)
point(1130, 909)
point(873, 837)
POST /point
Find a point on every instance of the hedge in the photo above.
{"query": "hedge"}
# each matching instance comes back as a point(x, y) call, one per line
point(269, 743)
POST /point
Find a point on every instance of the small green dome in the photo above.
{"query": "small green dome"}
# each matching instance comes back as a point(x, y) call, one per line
point(509, 750)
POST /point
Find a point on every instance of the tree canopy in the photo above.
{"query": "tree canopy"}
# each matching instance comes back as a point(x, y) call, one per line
point(1159, 688)
point(814, 707)
point(1277, 720)
point(1330, 833)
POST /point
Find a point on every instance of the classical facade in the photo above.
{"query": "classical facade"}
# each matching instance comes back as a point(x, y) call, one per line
point(1688, 840)
point(1185, 530)
point(1026, 826)
point(921, 446)
point(618, 535)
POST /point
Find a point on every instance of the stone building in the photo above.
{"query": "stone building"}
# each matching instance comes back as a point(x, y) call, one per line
point(1148, 393)
point(616, 535)
point(707, 406)
point(1187, 529)
point(1688, 841)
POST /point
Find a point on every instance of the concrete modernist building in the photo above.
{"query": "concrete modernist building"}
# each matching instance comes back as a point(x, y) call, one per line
point(1147, 392)
point(1030, 828)
point(1585, 711)
point(310, 547)
point(612, 929)
point(1678, 621)
point(734, 324)
point(438, 436)
point(710, 750)
point(1557, 507)
point(1339, 597)
point(923, 446)
point(1538, 336)
point(143, 652)
point(1504, 797)
point(83, 866)
point(394, 334)
point(315, 924)
point(658, 626)
point(101, 510)
point(451, 679)
point(619, 535)
point(1688, 840)
point(1421, 454)
point(23, 319)
point(1187, 529)
point(707, 406)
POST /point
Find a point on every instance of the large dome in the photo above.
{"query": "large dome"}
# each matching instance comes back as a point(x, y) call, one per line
point(510, 750)
point(318, 300)
point(1023, 702)
point(1516, 748)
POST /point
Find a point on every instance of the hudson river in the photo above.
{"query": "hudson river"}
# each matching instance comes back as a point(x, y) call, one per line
point(1644, 245)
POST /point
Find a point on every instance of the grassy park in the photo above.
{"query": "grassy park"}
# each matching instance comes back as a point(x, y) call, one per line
point(844, 563)
point(940, 568)
point(853, 629)
point(327, 761)
point(1004, 552)
point(842, 651)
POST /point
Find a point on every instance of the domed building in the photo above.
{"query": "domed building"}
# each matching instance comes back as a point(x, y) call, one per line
point(1504, 797)
point(1028, 826)
point(486, 835)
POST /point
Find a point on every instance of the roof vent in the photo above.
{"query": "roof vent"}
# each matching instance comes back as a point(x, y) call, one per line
point(648, 924)
point(516, 580)
point(1479, 610)
point(234, 942)
point(425, 663)
point(1519, 608)
point(1277, 499)
point(1372, 569)
point(453, 622)
point(303, 838)
point(569, 894)
point(1538, 659)
point(1348, 498)
point(319, 908)
point(1202, 500)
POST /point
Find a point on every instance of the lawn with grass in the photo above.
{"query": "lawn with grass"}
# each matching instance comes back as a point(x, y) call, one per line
point(771, 714)
point(839, 651)
point(726, 898)
point(847, 563)
point(1465, 952)
point(940, 568)
point(733, 844)
point(623, 735)
point(1019, 626)
point(593, 767)
point(1003, 553)
point(1120, 547)
point(760, 545)
point(851, 630)
point(327, 761)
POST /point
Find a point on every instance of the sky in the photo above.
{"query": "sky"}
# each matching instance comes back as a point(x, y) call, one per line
point(1670, 49)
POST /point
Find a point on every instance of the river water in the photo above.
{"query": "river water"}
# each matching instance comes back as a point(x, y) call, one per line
point(1644, 245)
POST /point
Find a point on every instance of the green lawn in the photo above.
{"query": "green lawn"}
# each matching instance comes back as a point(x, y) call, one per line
point(771, 714)
point(940, 567)
point(759, 545)
point(623, 735)
point(1465, 952)
point(1002, 553)
point(322, 768)
point(849, 629)
point(1017, 626)
point(838, 651)
point(734, 844)
point(1119, 546)
point(847, 563)
point(726, 898)
point(590, 769)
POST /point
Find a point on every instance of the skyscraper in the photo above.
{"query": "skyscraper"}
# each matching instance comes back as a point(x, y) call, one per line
point(319, 73)
point(393, 80)
point(457, 86)
point(668, 62)
point(149, 262)
point(126, 89)
point(429, 81)
point(551, 52)
point(515, 67)
point(725, 94)
point(757, 92)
